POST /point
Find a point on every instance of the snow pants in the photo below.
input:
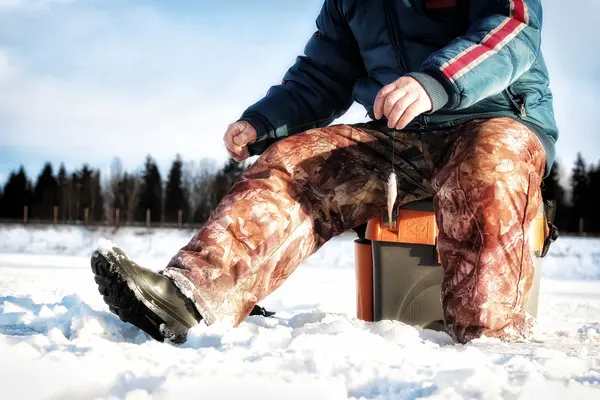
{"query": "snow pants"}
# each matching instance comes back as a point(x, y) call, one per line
point(484, 177)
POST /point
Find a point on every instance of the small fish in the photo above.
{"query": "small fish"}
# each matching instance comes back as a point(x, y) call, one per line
point(392, 192)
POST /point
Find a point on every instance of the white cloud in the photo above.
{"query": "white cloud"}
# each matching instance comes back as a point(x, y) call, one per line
point(8, 72)
point(11, 3)
point(29, 4)
point(89, 83)
point(135, 84)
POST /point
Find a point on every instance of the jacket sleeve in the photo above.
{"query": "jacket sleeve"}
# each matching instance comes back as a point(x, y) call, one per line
point(500, 45)
point(317, 89)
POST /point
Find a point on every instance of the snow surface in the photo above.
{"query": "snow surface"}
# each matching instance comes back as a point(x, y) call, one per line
point(59, 341)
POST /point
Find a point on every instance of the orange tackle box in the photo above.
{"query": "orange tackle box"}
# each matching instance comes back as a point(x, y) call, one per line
point(398, 270)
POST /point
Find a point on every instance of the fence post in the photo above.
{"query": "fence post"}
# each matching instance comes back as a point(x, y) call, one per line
point(581, 226)
point(148, 218)
point(180, 218)
point(86, 216)
point(117, 216)
point(55, 216)
point(25, 214)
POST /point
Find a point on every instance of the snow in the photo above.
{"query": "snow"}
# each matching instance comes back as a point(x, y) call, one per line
point(58, 339)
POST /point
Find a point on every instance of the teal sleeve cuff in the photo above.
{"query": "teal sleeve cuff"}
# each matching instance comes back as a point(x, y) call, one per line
point(436, 91)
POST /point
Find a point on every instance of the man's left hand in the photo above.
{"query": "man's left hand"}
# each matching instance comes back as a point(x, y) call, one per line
point(401, 101)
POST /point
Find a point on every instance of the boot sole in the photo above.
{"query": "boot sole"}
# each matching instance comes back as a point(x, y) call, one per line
point(132, 304)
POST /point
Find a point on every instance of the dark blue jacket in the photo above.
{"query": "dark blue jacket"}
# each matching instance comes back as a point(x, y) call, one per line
point(475, 59)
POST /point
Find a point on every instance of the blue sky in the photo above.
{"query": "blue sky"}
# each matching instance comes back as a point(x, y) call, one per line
point(88, 80)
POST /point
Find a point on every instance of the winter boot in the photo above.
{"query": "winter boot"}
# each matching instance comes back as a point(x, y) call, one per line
point(144, 298)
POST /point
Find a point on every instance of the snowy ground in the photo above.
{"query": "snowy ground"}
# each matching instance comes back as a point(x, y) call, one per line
point(58, 340)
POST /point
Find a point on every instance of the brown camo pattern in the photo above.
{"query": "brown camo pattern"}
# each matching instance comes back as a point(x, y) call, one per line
point(487, 194)
point(312, 186)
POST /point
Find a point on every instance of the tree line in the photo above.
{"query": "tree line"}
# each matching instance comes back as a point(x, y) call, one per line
point(192, 190)
point(576, 209)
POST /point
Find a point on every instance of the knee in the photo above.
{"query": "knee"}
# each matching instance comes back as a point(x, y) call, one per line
point(278, 160)
point(492, 175)
point(297, 149)
point(501, 148)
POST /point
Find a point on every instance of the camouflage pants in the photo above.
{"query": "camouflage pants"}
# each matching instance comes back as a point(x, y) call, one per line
point(484, 177)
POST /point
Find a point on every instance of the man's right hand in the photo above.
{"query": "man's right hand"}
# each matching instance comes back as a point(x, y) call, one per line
point(237, 138)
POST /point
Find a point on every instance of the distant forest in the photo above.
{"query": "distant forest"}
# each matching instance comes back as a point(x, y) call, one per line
point(191, 191)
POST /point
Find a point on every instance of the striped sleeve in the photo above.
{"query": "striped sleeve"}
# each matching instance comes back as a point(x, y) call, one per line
point(500, 45)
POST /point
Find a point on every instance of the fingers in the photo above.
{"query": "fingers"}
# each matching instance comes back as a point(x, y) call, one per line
point(378, 106)
point(240, 157)
point(243, 138)
point(234, 152)
point(392, 100)
point(236, 139)
point(410, 113)
point(233, 149)
point(401, 102)
point(229, 143)
point(399, 109)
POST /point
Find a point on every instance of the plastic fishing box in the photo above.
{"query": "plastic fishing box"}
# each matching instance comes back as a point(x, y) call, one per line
point(398, 270)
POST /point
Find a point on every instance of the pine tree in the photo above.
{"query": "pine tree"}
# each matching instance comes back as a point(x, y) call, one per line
point(85, 192)
point(176, 197)
point(2, 200)
point(132, 185)
point(593, 211)
point(97, 200)
point(45, 194)
point(74, 190)
point(17, 194)
point(63, 192)
point(126, 193)
point(553, 190)
point(579, 193)
point(151, 193)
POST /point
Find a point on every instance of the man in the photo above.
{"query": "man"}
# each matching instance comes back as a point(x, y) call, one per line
point(460, 89)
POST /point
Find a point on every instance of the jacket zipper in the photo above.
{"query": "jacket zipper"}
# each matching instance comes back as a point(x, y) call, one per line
point(523, 111)
point(519, 107)
point(394, 33)
point(472, 118)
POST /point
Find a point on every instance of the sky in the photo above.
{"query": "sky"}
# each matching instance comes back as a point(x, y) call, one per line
point(84, 81)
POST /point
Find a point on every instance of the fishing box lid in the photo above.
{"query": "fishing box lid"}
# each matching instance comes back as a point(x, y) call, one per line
point(414, 223)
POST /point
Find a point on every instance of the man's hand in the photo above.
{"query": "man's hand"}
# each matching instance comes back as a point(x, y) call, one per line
point(237, 138)
point(401, 101)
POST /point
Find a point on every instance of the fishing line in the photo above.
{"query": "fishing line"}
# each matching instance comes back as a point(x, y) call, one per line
point(319, 121)
point(392, 182)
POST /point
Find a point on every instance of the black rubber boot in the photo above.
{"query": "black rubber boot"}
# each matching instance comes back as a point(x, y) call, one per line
point(142, 297)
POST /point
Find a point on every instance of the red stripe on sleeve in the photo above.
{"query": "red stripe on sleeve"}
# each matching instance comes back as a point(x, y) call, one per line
point(518, 16)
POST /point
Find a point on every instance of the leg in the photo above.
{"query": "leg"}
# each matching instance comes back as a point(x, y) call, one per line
point(487, 194)
point(301, 192)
